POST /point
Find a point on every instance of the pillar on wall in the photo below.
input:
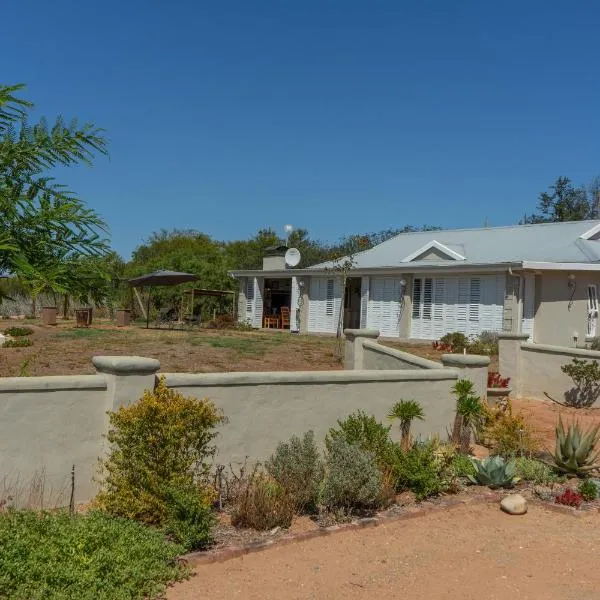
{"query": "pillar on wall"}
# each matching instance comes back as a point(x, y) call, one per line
point(353, 353)
point(127, 377)
point(471, 367)
point(509, 355)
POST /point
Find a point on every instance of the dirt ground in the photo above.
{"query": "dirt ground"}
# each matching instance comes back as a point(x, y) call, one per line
point(467, 553)
point(66, 350)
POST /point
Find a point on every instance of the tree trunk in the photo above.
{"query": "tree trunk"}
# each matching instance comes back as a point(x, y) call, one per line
point(33, 306)
point(457, 430)
point(66, 307)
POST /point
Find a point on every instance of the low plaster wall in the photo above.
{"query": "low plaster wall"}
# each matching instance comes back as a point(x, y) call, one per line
point(266, 408)
point(47, 424)
point(378, 357)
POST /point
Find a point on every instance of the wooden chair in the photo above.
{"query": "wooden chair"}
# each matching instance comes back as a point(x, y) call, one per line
point(285, 317)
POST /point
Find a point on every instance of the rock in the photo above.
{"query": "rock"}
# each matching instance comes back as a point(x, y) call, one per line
point(514, 504)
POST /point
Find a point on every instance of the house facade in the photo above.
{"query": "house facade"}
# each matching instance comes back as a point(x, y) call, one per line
point(536, 279)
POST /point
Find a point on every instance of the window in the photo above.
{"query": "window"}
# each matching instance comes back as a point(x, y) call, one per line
point(474, 299)
point(329, 298)
point(427, 297)
point(416, 307)
point(250, 295)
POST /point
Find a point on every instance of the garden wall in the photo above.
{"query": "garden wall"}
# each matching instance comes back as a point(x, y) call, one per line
point(535, 369)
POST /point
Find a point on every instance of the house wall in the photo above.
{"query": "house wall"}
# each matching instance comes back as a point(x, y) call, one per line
point(557, 317)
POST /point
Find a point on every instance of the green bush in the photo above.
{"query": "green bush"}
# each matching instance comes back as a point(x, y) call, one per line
point(535, 471)
point(158, 445)
point(426, 469)
point(93, 557)
point(588, 490)
point(463, 465)
point(352, 481)
point(18, 331)
point(297, 466)
point(368, 434)
point(457, 340)
point(262, 503)
point(190, 517)
point(18, 343)
point(586, 377)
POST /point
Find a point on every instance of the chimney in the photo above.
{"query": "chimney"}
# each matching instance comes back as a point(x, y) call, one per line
point(274, 258)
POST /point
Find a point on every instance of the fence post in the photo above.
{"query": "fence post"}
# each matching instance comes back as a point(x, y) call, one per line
point(127, 377)
point(353, 353)
point(509, 357)
point(471, 367)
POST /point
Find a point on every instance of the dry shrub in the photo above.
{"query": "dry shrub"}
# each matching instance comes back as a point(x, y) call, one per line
point(31, 494)
point(507, 433)
point(262, 503)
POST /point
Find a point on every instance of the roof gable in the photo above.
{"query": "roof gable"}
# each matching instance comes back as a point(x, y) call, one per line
point(436, 249)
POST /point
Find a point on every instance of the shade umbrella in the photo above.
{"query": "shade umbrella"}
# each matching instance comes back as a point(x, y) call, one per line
point(160, 278)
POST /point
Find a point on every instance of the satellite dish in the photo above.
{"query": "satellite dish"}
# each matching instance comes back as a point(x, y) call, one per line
point(292, 257)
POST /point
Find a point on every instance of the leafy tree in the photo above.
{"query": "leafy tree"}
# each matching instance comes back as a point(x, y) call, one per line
point(45, 225)
point(564, 203)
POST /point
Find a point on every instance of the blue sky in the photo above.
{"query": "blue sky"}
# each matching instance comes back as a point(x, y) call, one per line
point(340, 117)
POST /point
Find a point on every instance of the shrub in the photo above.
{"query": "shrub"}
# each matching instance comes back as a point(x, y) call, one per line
point(485, 343)
point(586, 377)
point(262, 503)
point(495, 380)
point(158, 445)
point(406, 411)
point(462, 465)
point(426, 469)
point(367, 433)
point(352, 481)
point(569, 498)
point(54, 556)
point(588, 490)
point(595, 343)
point(456, 340)
point(470, 414)
point(535, 471)
point(508, 434)
point(297, 466)
point(190, 517)
point(574, 452)
point(18, 343)
point(18, 331)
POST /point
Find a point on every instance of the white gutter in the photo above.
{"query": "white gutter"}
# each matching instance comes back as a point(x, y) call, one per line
point(564, 266)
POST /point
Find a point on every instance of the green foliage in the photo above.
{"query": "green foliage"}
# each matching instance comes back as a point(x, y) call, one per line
point(406, 411)
point(574, 452)
point(262, 503)
point(87, 557)
point(463, 465)
point(158, 444)
point(18, 343)
point(297, 466)
point(458, 341)
point(190, 517)
point(367, 433)
point(494, 472)
point(486, 343)
point(588, 490)
point(535, 471)
point(352, 481)
point(427, 469)
point(470, 414)
point(586, 376)
point(565, 203)
point(18, 331)
point(508, 434)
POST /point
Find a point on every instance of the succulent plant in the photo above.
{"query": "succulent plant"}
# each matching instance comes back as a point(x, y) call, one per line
point(494, 472)
point(574, 453)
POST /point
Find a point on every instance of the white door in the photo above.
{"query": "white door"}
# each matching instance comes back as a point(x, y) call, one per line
point(324, 303)
point(592, 310)
point(384, 306)
point(469, 305)
point(527, 322)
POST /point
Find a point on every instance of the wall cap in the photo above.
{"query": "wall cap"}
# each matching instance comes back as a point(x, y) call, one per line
point(407, 357)
point(304, 377)
point(125, 365)
point(595, 354)
point(52, 383)
point(351, 334)
point(465, 360)
point(513, 336)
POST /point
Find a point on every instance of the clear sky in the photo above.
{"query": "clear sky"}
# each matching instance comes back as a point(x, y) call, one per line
point(337, 116)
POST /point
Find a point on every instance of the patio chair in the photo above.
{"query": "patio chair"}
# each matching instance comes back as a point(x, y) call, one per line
point(285, 317)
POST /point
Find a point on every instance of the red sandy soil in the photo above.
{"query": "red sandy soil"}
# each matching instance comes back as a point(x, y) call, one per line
point(468, 553)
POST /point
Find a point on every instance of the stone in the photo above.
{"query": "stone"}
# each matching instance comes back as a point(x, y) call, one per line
point(514, 504)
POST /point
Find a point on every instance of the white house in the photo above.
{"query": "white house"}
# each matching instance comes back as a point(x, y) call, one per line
point(536, 279)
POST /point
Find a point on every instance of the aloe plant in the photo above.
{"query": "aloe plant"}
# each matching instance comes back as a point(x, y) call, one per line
point(494, 472)
point(574, 453)
point(406, 411)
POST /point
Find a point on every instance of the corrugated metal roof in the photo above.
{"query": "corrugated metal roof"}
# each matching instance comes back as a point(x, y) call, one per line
point(546, 242)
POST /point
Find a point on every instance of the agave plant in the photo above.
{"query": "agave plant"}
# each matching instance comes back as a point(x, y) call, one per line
point(406, 411)
point(494, 472)
point(574, 453)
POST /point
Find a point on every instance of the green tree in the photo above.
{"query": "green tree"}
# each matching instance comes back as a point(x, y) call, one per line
point(45, 225)
point(564, 202)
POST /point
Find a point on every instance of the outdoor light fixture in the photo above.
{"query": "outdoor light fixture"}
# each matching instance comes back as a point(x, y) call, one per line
point(572, 285)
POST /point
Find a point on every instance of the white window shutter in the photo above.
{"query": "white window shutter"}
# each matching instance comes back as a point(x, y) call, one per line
point(258, 302)
point(364, 302)
point(294, 304)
